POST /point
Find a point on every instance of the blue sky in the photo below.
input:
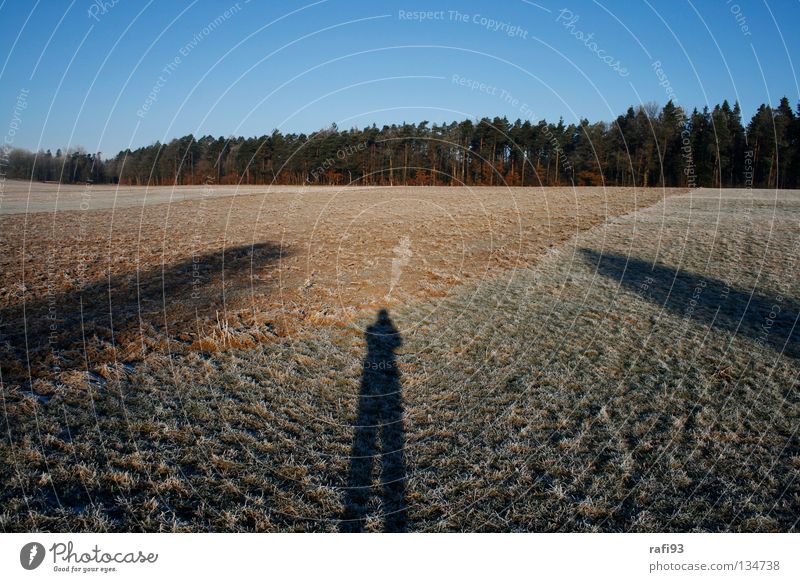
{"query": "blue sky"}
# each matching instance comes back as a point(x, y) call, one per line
point(95, 76)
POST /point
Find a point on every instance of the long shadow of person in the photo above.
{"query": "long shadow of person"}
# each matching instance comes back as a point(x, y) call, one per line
point(380, 413)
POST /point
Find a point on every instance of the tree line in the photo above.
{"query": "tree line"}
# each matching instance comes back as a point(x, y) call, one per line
point(647, 146)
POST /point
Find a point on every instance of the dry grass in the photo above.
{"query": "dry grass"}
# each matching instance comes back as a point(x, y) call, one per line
point(575, 389)
point(82, 289)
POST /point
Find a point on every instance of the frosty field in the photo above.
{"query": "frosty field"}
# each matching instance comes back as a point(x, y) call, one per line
point(550, 359)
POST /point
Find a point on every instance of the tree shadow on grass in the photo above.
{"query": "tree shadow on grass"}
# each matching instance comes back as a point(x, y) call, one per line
point(166, 301)
point(769, 320)
point(380, 414)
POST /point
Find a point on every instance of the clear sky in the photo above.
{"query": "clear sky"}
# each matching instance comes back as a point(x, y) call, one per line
point(109, 75)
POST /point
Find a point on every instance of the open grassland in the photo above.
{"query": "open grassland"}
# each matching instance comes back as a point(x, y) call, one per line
point(24, 197)
point(640, 375)
point(87, 289)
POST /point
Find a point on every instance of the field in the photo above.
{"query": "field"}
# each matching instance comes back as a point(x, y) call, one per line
point(550, 359)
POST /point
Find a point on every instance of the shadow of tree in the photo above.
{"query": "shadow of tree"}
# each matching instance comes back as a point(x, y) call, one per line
point(51, 332)
point(768, 320)
point(380, 413)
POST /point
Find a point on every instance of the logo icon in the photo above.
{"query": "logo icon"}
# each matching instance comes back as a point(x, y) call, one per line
point(31, 555)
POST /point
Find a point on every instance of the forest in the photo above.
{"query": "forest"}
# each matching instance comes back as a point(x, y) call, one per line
point(648, 146)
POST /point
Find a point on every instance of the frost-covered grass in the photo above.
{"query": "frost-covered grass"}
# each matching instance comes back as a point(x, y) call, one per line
point(641, 377)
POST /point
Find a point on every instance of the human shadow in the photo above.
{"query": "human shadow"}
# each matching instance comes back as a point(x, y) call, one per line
point(768, 320)
point(184, 299)
point(380, 414)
